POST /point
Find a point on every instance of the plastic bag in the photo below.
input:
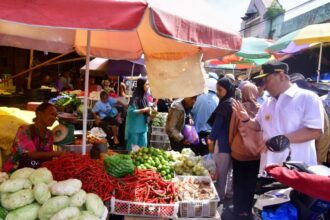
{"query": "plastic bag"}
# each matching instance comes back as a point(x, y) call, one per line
point(209, 164)
point(190, 134)
point(284, 212)
point(98, 132)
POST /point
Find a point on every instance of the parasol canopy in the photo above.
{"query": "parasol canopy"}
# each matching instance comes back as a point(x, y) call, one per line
point(122, 29)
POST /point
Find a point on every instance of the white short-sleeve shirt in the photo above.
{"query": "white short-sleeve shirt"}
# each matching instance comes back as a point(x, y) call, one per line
point(294, 109)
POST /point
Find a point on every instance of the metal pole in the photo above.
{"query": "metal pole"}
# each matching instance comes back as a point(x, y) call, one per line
point(86, 93)
point(30, 73)
point(319, 66)
point(130, 85)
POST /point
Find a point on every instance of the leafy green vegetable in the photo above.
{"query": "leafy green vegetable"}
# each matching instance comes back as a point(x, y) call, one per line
point(119, 165)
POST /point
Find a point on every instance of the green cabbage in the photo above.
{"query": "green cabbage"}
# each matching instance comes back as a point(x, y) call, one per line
point(28, 212)
point(95, 204)
point(41, 192)
point(18, 199)
point(23, 173)
point(87, 215)
point(14, 185)
point(66, 214)
point(41, 175)
point(78, 199)
point(66, 187)
point(52, 206)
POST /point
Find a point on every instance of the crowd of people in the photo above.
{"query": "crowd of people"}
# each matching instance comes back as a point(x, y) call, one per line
point(232, 120)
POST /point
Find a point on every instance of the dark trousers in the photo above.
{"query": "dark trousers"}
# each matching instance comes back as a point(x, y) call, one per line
point(245, 175)
point(202, 148)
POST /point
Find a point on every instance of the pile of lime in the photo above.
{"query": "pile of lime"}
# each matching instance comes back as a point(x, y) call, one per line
point(155, 159)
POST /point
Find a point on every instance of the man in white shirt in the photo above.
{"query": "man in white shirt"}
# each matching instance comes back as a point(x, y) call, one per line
point(290, 111)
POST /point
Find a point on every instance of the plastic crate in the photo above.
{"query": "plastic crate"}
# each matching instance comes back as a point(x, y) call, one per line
point(158, 130)
point(160, 144)
point(159, 137)
point(198, 208)
point(120, 207)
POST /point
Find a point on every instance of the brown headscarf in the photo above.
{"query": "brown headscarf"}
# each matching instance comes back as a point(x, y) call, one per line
point(249, 99)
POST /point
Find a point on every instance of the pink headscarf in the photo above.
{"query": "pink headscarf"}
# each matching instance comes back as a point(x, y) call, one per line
point(249, 99)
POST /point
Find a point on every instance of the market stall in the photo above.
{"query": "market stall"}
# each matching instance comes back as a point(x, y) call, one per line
point(147, 182)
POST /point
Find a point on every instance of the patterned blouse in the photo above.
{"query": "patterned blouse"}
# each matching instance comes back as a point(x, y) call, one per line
point(27, 140)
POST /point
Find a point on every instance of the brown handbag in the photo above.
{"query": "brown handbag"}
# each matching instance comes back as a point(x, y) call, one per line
point(246, 144)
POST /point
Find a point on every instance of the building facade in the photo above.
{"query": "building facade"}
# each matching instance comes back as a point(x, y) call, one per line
point(255, 24)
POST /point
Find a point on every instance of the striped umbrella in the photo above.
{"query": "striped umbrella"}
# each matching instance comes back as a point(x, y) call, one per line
point(304, 38)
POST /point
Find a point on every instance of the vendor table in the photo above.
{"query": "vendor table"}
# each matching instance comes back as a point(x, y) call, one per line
point(13, 100)
point(216, 217)
point(32, 106)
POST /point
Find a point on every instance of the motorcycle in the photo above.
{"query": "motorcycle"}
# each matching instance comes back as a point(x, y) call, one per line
point(307, 187)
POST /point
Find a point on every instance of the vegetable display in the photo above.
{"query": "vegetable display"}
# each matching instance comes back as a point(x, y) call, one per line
point(188, 164)
point(118, 165)
point(65, 100)
point(159, 120)
point(145, 186)
point(155, 159)
point(39, 197)
point(91, 173)
point(194, 189)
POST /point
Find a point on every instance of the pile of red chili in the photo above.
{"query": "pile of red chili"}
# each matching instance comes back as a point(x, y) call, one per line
point(142, 186)
point(145, 186)
point(91, 173)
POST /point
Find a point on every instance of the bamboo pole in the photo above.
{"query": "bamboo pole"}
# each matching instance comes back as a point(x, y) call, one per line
point(66, 61)
point(39, 65)
point(30, 72)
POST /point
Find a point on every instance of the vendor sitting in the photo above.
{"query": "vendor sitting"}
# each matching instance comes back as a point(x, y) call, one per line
point(106, 115)
point(34, 143)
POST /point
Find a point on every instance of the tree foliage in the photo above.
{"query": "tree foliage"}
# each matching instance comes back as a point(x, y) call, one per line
point(274, 10)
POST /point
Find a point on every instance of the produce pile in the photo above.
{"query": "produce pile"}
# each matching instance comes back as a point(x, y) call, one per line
point(145, 186)
point(155, 159)
point(188, 164)
point(118, 165)
point(194, 189)
point(65, 100)
point(31, 194)
point(159, 120)
point(91, 173)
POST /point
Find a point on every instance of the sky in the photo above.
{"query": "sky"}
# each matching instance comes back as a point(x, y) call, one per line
point(216, 13)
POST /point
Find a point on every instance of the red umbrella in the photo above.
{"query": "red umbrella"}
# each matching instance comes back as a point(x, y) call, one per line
point(135, 28)
point(117, 29)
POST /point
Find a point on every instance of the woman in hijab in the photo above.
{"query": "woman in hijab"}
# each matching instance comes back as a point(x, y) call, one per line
point(219, 137)
point(245, 159)
point(136, 119)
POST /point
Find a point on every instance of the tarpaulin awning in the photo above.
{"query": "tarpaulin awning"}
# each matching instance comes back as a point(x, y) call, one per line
point(122, 29)
point(102, 66)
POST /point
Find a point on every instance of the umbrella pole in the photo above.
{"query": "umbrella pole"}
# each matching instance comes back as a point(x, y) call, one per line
point(130, 85)
point(319, 66)
point(86, 93)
